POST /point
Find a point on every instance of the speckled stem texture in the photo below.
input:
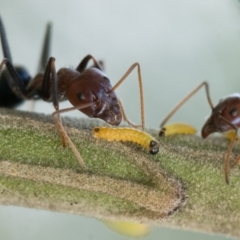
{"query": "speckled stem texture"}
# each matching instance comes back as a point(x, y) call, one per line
point(182, 186)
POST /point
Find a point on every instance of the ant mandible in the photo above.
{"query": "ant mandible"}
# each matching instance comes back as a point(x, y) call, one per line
point(9, 95)
point(224, 117)
point(87, 89)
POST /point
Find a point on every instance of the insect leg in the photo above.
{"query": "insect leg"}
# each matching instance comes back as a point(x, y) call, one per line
point(37, 82)
point(4, 41)
point(230, 148)
point(50, 93)
point(125, 116)
point(83, 64)
point(56, 118)
point(45, 49)
point(15, 82)
point(236, 161)
point(45, 54)
point(140, 90)
point(205, 84)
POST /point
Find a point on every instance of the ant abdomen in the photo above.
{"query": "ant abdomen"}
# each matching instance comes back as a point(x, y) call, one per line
point(8, 98)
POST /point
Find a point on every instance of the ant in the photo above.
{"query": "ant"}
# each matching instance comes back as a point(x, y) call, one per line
point(87, 89)
point(224, 117)
point(10, 97)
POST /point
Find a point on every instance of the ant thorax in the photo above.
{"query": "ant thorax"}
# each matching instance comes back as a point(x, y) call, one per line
point(233, 95)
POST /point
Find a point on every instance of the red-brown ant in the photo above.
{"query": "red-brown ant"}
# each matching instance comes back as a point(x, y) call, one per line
point(224, 117)
point(87, 89)
point(8, 96)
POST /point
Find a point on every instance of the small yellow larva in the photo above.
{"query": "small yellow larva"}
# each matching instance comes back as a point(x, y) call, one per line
point(230, 135)
point(177, 128)
point(128, 229)
point(127, 134)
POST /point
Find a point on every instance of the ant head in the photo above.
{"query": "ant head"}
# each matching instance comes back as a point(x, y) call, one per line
point(227, 111)
point(92, 86)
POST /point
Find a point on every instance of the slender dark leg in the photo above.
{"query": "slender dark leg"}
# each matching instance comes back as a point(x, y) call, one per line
point(140, 90)
point(5, 46)
point(130, 123)
point(45, 54)
point(50, 93)
point(45, 49)
point(205, 84)
point(50, 84)
point(15, 82)
point(83, 64)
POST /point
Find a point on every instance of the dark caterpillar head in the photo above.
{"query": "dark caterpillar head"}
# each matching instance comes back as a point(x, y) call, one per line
point(162, 132)
point(154, 147)
point(96, 129)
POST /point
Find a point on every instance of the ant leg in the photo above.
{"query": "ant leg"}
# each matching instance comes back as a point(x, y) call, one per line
point(125, 116)
point(5, 46)
point(66, 138)
point(83, 64)
point(15, 82)
point(50, 93)
point(205, 84)
point(45, 49)
point(63, 133)
point(50, 76)
point(140, 90)
point(236, 161)
point(230, 148)
point(36, 83)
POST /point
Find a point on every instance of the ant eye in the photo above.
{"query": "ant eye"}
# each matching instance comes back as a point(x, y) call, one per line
point(80, 96)
point(233, 112)
point(107, 79)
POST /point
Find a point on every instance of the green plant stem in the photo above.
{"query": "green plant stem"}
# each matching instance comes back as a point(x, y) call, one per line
point(182, 186)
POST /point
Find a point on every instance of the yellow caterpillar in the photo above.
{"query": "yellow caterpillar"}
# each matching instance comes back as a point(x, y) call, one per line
point(177, 128)
point(129, 229)
point(127, 134)
point(230, 135)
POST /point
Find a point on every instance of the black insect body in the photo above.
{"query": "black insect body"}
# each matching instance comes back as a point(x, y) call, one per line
point(9, 94)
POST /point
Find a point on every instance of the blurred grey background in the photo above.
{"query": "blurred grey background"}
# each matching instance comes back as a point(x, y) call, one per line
point(178, 44)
